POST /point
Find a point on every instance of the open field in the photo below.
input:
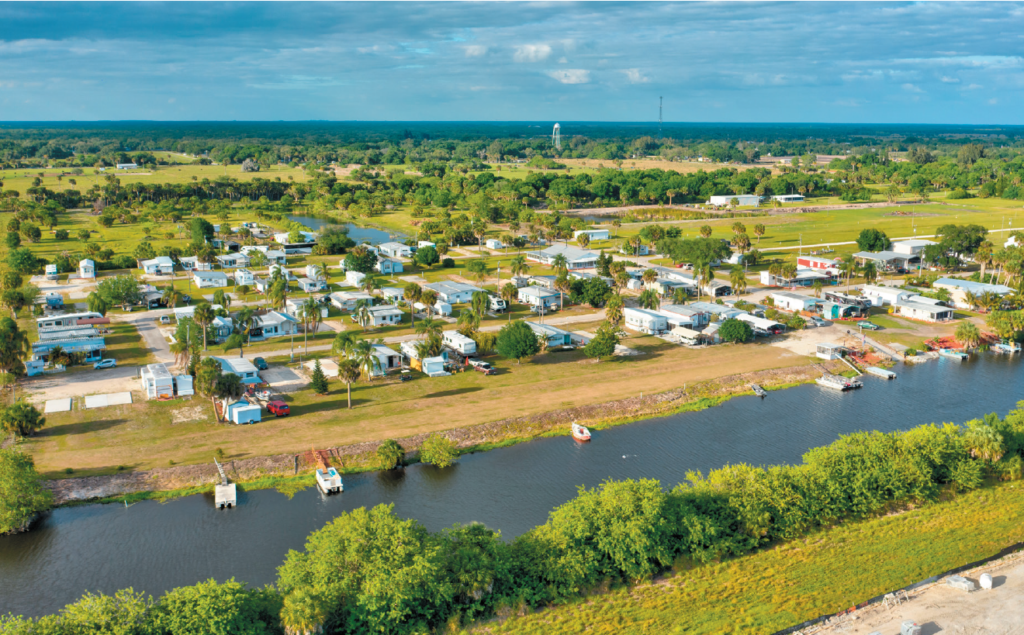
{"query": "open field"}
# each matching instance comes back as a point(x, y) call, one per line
point(144, 435)
point(824, 573)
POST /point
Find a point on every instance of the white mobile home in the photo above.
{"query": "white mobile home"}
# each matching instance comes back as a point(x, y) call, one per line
point(313, 272)
point(355, 278)
point(959, 289)
point(346, 300)
point(161, 266)
point(244, 276)
point(575, 258)
point(191, 263)
point(789, 301)
point(274, 324)
point(50, 272)
point(885, 295)
point(210, 279)
point(233, 261)
point(538, 296)
point(241, 367)
point(682, 315)
point(383, 316)
point(645, 321)
point(395, 250)
point(86, 268)
point(924, 312)
point(310, 286)
point(553, 335)
point(181, 312)
point(743, 200)
point(393, 294)
point(453, 292)
point(493, 243)
point(594, 234)
point(459, 342)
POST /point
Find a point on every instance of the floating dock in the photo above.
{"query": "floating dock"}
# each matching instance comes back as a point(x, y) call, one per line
point(880, 372)
point(225, 495)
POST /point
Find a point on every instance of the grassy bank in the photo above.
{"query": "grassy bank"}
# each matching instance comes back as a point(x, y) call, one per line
point(825, 572)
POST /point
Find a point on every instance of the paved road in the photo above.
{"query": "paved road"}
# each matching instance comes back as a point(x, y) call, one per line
point(149, 328)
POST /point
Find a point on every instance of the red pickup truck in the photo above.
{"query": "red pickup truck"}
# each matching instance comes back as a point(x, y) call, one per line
point(278, 408)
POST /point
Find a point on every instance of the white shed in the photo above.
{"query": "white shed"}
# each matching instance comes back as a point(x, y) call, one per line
point(243, 412)
point(354, 278)
point(434, 366)
point(493, 243)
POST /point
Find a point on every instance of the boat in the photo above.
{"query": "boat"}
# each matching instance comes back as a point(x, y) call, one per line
point(1003, 347)
point(880, 372)
point(838, 382)
point(952, 354)
point(760, 392)
point(328, 480)
point(580, 433)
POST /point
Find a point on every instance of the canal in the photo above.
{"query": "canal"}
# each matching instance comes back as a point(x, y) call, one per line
point(154, 546)
point(355, 232)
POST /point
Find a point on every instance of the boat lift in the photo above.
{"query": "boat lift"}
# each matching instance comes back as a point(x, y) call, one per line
point(224, 494)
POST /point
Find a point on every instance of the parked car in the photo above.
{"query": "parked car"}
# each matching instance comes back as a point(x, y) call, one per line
point(187, 299)
point(105, 363)
point(278, 408)
point(483, 367)
point(260, 363)
point(817, 321)
point(165, 319)
point(869, 326)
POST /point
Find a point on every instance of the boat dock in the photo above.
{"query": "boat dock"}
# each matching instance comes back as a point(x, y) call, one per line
point(224, 493)
point(880, 372)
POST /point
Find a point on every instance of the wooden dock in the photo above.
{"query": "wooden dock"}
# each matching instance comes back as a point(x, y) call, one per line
point(225, 495)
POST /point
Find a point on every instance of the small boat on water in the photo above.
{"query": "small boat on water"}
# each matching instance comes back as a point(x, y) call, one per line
point(880, 372)
point(952, 354)
point(838, 382)
point(580, 433)
point(1003, 347)
point(760, 392)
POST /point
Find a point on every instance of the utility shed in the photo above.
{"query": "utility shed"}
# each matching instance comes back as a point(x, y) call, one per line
point(243, 412)
point(828, 350)
point(183, 384)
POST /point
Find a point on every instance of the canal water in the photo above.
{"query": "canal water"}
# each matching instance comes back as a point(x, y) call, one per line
point(355, 232)
point(157, 546)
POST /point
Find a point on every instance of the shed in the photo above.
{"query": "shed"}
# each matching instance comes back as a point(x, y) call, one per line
point(493, 243)
point(183, 385)
point(354, 278)
point(434, 366)
point(157, 381)
point(829, 351)
point(459, 342)
point(51, 272)
point(244, 412)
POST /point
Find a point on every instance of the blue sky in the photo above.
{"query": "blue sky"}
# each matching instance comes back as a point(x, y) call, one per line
point(743, 62)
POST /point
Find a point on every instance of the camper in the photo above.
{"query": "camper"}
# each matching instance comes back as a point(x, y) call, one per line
point(496, 304)
point(459, 342)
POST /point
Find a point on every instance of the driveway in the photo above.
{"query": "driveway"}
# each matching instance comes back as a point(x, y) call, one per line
point(153, 338)
point(80, 382)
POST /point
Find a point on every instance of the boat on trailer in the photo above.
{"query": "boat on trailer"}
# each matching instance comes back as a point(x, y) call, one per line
point(580, 433)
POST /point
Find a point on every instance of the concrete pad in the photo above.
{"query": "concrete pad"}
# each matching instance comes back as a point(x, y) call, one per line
point(96, 401)
point(58, 405)
point(329, 367)
point(283, 379)
point(119, 399)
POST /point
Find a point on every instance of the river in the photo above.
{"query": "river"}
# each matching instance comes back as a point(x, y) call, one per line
point(157, 546)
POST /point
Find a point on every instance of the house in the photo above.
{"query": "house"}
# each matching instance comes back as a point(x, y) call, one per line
point(71, 319)
point(233, 261)
point(161, 265)
point(241, 367)
point(389, 266)
point(538, 296)
point(788, 198)
point(383, 315)
point(126, 166)
point(355, 278)
point(493, 243)
point(392, 294)
point(395, 250)
point(181, 312)
point(157, 381)
point(835, 311)
point(459, 342)
point(274, 324)
point(244, 276)
point(789, 301)
point(453, 292)
point(280, 270)
point(645, 321)
point(913, 247)
point(387, 359)
point(92, 347)
point(689, 336)
point(885, 260)
point(922, 311)
point(761, 326)
point(724, 312)
point(242, 412)
point(826, 265)
point(804, 277)
point(222, 328)
point(310, 286)
point(313, 272)
point(346, 300)
point(191, 263)
point(210, 279)
point(77, 331)
point(548, 282)
point(959, 288)
point(50, 272)
point(843, 298)
point(665, 286)
point(681, 315)
point(442, 308)
point(593, 234)
point(86, 269)
point(262, 284)
point(743, 200)
point(575, 258)
point(552, 334)
point(885, 295)
point(276, 255)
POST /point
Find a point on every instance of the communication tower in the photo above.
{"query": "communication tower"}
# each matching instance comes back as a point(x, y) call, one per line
point(660, 102)
point(556, 136)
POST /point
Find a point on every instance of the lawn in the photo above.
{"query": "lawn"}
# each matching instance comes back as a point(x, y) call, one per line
point(783, 586)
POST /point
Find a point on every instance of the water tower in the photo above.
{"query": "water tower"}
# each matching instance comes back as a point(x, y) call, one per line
point(556, 136)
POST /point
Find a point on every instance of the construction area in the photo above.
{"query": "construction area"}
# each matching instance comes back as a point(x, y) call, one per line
point(945, 606)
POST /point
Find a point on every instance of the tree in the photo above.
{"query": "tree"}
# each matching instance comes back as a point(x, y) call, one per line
point(516, 341)
point(847, 267)
point(613, 310)
point(318, 380)
point(438, 450)
point(21, 419)
point(349, 373)
point(14, 345)
point(22, 495)
point(212, 608)
point(207, 376)
point(649, 299)
point(478, 269)
point(967, 334)
point(201, 230)
point(509, 292)
point(360, 259)
point(759, 231)
point(10, 280)
point(309, 314)
point(390, 455)
point(738, 279)
point(873, 240)
point(229, 388)
point(303, 613)
point(583, 240)
point(203, 316)
point(870, 272)
point(412, 293)
point(733, 330)
point(518, 266)
point(222, 298)
point(427, 257)
point(14, 300)
point(231, 343)
point(21, 260)
point(363, 352)
point(705, 231)
point(604, 342)
point(122, 290)
point(171, 297)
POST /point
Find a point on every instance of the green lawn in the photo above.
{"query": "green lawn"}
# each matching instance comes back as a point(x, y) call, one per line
point(783, 586)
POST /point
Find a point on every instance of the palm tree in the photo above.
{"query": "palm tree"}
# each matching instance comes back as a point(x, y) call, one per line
point(847, 267)
point(412, 293)
point(343, 341)
point(738, 279)
point(221, 298)
point(361, 314)
point(429, 299)
point(278, 293)
point(703, 275)
point(649, 276)
point(468, 322)
point(180, 350)
point(971, 299)
point(320, 272)
point(759, 231)
point(303, 613)
point(229, 389)
point(816, 285)
point(984, 441)
point(171, 297)
point(370, 285)
point(203, 316)
point(649, 299)
point(560, 264)
point(518, 266)
point(967, 334)
point(563, 286)
point(509, 292)
point(365, 355)
point(349, 372)
point(583, 240)
point(309, 313)
point(870, 272)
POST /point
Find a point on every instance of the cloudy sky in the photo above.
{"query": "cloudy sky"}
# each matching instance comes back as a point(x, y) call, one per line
point(744, 62)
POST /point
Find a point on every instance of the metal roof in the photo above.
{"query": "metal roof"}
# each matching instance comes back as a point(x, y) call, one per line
point(972, 286)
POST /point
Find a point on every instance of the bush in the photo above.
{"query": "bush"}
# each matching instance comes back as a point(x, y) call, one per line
point(438, 450)
point(61, 234)
point(448, 263)
point(516, 341)
point(390, 455)
point(733, 330)
point(22, 495)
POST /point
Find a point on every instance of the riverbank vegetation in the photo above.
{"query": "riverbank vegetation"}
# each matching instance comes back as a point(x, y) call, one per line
point(370, 571)
point(22, 495)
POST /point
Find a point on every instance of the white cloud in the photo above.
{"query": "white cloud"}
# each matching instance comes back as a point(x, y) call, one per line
point(475, 50)
point(993, 101)
point(847, 103)
point(532, 53)
point(911, 88)
point(571, 76)
point(563, 60)
point(950, 80)
point(974, 87)
point(635, 76)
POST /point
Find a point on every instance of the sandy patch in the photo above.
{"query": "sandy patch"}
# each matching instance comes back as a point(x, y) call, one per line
point(187, 414)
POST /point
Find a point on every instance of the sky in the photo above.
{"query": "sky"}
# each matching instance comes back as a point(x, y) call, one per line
point(932, 62)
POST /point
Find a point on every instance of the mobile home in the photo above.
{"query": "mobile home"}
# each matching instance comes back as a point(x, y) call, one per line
point(459, 342)
point(645, 321)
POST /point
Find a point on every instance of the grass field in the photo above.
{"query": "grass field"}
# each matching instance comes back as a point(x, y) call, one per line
point(823, 573)
point(145, 435)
